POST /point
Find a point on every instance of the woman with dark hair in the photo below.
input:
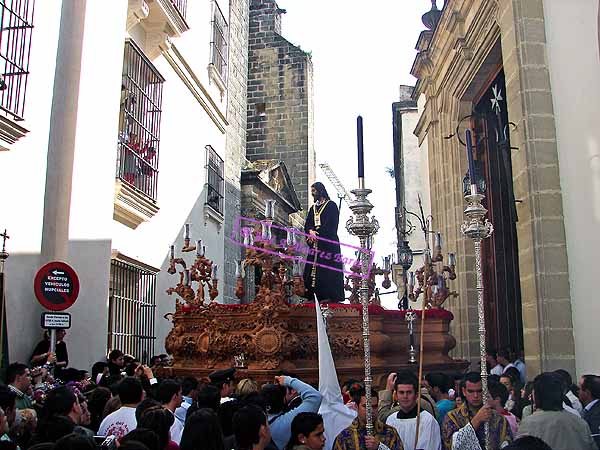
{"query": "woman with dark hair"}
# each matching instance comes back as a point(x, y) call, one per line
point(160, 421)
point(307, 432)
point(323, 272)
point(202, 432)
point(97, 400)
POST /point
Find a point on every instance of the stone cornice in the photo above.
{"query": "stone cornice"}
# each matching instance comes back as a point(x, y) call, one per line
point(198, 90)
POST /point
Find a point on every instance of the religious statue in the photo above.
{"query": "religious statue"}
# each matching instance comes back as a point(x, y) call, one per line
point(323, 272)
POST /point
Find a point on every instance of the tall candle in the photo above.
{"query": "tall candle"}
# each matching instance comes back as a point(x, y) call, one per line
point(411, 279)
point(203, 250)
point(199, 247)
point(172, 252)
point(438, 240)
point(470, 156)
point(237, 269)
point(267, 209)
point(290, 238)
point(361, 154)
point(186, 277)
point(214, 271)
point(187, 231)
point(273, 208)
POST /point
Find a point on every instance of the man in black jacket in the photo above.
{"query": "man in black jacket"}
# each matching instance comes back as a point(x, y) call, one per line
point(589, 394)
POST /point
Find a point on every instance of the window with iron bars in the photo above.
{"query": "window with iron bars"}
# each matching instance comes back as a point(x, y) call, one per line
point(218, 45)
point(16, 25)
point(131, 310)
point(214, 177)
point(139, 122)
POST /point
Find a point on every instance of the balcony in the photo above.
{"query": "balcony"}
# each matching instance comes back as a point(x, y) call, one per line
point(138, 138)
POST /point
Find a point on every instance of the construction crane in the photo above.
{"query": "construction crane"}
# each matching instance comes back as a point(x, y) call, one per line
point(337, 184)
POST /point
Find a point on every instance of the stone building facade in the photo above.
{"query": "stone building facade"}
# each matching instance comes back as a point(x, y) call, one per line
point(526, 46)
point(280, 106)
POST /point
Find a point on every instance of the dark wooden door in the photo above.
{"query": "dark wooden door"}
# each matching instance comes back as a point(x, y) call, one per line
point(500, 252)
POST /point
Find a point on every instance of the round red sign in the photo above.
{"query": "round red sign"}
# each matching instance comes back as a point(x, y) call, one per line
point(56, 286)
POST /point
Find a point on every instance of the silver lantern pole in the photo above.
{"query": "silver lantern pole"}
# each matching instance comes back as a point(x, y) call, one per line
point(478, 228)
point(364, 227)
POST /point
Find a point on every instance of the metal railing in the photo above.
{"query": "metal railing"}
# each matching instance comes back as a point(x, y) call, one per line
point(181, 6)
point(214, 180)
point(16, 25)
point(139, 122)
point(131, 310)
point(218, 45)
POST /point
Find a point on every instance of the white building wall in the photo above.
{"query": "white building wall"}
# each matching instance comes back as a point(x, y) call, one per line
point(572, 50)
point(185, 131)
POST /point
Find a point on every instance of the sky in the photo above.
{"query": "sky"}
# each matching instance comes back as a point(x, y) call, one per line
point(361, 55)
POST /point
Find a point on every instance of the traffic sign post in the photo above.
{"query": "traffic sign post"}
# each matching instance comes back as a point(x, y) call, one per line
point(56, 287)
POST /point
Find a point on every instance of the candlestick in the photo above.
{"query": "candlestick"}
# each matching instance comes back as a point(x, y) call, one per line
point(386, 263)
point(438, 240)
point(214, 271)
point(470, 157)
point(290, 238)
point(199, 247)
point(452, 259)
point(187, 231)
point(237, 269)
point(203, 250)
point(186, 277)
point(411, 279)
point(361, 156)
point(172, 252)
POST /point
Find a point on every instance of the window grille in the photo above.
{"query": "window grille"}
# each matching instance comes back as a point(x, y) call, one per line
point(181, 6)
point(218, 45)
point(131, 310)
point(16, 25)
point(139, 122)
point(214, 177)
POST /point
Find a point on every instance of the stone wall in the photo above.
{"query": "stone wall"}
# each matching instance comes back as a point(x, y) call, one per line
point(236, 134)
point(279, 114)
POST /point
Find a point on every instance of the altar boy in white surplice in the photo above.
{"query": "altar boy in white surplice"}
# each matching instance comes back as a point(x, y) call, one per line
point(405, 420)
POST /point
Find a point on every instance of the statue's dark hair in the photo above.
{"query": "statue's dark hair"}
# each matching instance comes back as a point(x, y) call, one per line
point(321, 191)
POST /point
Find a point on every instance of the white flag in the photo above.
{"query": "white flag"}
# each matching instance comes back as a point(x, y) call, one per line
point(336, 415)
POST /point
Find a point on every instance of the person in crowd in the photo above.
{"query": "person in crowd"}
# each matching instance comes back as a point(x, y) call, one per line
point(123, 420)
point(99, 370)
point(208, 397)
point(589, 394)
point(355, 436)
point(292, 396)
point(406, 386)
point(307, 432)
point(225, 415)
point(439, 385)
point(246, 386)
point(251, 428)
point(42, 355)
point(498, 396)
point(161, 421)
point(116, 362)
point(570, 390)
point(463, 427)
point(558, 428)
point(97, 399)
point(224, 380)
point(18, 379)
point(112, 405)
point(189, 390)
point(141, 435)
point(386, 406)
point(8, 411)
point(202, 431)
point(346, 390)
point(519, 363)
point(510, 378)
point(170, 395)
point(503, 358)
point(528, 443)
point(76, 441)
point(145, 405)
point(279, 420)
point(494, 367)
point(526, 396)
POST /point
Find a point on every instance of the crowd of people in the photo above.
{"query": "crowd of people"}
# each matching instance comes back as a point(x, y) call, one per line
point(119, 403)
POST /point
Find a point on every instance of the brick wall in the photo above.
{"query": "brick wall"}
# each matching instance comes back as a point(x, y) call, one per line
point(279, 110)
point(236, 134)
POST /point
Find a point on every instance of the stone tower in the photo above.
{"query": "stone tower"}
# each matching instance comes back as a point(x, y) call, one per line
point(280, 99)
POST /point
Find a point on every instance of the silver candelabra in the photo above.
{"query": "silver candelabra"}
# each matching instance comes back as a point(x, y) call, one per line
point(477, 227)
point(410, 317)
point(364, 227)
